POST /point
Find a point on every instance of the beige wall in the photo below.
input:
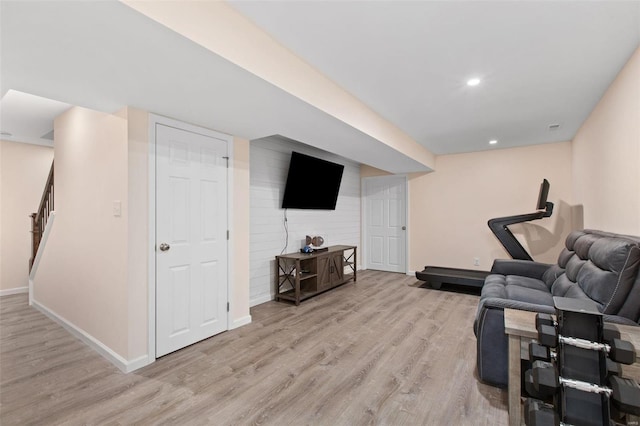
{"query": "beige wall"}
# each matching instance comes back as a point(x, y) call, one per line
point(23, 173)
point(449, 208)
point(94, 271)
point(138, 231)
point(606, 156)
point(82, 276)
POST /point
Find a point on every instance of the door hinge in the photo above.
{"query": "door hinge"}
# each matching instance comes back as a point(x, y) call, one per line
point(227, 306)
point(227, 234)
point(227, 160)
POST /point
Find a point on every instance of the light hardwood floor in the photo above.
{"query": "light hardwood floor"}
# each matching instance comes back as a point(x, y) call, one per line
point(379, 351)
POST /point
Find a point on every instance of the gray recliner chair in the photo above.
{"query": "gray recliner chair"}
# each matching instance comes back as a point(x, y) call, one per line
point(595, 265)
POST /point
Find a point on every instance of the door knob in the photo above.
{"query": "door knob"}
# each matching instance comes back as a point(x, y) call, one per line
point(404, 228)
point(164, 247)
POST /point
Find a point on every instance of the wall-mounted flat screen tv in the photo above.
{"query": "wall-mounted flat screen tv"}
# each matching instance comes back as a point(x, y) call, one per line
point(312, 183)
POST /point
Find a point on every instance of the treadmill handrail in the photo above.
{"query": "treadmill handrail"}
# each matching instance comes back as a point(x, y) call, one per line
point(510, 220)
point(499, 228)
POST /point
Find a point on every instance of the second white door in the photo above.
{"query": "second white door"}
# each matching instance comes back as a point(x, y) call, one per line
point(385, 223)
point(191, 237)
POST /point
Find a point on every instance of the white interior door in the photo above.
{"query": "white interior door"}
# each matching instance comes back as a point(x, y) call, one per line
point(191, 238)
point(385, 223)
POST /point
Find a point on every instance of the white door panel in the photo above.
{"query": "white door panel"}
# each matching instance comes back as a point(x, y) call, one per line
point(191, 217)
point(376, 251)
point(385, 229)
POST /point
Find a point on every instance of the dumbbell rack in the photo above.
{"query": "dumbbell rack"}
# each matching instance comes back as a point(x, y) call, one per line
point(575, 377)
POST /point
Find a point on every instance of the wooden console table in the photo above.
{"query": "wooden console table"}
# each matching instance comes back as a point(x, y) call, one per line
point(302, 275)
point(520, 326)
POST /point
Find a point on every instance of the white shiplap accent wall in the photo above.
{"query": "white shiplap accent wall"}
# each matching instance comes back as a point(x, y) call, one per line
point(269, 165)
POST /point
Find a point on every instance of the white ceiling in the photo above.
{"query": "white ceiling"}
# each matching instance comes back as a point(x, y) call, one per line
point(29, 118)
point(104, 56)
point(540, 63)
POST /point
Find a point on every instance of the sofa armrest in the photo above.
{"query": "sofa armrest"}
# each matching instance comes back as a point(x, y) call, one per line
point(492, 343)
point(495, 302)
point(501, 304)
point(619, 320)
point(523, 268)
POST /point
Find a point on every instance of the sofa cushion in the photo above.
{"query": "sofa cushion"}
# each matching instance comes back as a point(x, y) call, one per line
point(551, 275)
point(599, 266)
point(610, 273)
point(582, 245)
point(564, 287)
point(521, 289)
point(564, 257)
point(573, 267)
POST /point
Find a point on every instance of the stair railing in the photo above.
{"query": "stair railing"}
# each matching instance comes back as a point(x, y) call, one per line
point(39, 219)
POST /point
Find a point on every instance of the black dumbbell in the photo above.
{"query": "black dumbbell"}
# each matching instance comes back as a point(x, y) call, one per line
point(547, 335)
point(609, 332)
point(626, 395)
point(613, 368)
point(622, 351)
point(544, 378)
point(537, 413)
point(532, 391)
point(528, 385)
point(537, 352)
point(544, 319)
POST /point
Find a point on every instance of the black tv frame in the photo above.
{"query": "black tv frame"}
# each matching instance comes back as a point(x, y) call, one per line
point(312, 183)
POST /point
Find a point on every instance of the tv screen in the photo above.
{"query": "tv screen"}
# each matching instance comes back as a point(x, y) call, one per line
point(542, 196)
point(312, 183)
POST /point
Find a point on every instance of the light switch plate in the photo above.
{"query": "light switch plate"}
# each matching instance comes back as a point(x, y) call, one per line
point(117, 208)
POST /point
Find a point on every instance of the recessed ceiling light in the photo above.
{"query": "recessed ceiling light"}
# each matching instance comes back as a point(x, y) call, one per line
point(554, 126)
point(493, 142)
point(473, 82)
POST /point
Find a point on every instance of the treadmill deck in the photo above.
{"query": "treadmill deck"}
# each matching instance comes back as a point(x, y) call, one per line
point(436, 276)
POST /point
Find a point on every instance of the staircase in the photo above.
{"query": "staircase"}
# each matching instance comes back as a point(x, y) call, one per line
point(40, 218)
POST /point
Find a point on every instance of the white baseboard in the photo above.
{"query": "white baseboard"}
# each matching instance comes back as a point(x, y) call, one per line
point(117, 360)
point(136, 363)
point(411, 273)
point(16, 290)
point(30, 291)
point(260, 300)
point(240, 322)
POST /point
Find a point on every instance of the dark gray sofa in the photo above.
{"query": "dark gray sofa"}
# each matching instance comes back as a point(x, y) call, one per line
point(595, 265)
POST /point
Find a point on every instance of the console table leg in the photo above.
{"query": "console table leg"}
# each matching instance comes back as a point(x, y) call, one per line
point(277, 278)
point(297, 281)
point(355, 263)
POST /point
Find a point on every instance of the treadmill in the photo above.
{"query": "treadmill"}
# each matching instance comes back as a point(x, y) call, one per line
point(436, 275)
